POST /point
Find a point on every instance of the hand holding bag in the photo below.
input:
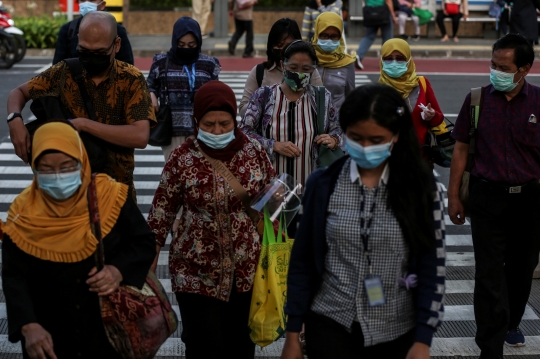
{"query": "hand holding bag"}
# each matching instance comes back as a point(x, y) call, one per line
point(161, 134)
point(137, 321)
point(476, 103)
point(327, 156)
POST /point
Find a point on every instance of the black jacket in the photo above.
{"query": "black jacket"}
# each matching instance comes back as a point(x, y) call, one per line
point(66, 45)
point(523, 19)
point(56, 295)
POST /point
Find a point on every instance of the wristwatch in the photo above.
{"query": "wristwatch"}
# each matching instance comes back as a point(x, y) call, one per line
point(13, 116)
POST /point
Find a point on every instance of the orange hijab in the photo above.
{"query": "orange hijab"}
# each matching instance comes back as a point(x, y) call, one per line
point(59, 231)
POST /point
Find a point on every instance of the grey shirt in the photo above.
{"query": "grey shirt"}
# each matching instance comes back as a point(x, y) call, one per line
point(342, 296)
point(340, 82)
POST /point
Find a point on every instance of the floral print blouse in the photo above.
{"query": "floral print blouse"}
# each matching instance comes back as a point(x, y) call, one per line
point(216, 242)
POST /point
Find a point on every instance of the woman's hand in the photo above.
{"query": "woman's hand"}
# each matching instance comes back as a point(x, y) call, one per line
point(429, 113)
point(153, 267)
point(327, 140)
point(418, 351)
point(155, 103)
point(38, 341)
point(104, 282)
point(288, 149)
point(292, 349)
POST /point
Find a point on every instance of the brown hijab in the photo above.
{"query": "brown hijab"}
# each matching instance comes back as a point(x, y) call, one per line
point(217, 96)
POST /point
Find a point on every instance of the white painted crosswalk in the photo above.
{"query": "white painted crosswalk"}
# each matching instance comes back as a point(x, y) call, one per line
point(459, 312)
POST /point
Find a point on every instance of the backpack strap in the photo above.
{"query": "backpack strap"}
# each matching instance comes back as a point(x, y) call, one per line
point(476, 108)
point(259, 73)
point(75, 68)
point(72, 30)
point(422, 81)
point(320, 97)
point(260, 127)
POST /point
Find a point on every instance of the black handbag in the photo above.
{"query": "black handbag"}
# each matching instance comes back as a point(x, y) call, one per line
point(50, 109)
point(161, 134)
point(376, 15)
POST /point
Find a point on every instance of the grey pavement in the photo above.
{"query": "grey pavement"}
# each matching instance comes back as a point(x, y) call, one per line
point(148, 45)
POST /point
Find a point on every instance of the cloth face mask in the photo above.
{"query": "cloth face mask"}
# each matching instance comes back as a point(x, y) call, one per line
point(297, 81)
point(86, 7)
point(328, 45)
point(94, 64)
point(60, 185)
point(216, 142)
point(370, 156)
point(395, 69)
point(503, 81)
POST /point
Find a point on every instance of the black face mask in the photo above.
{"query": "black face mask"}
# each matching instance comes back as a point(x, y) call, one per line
point(277, 55)
point(187, 55)
point(93, 63)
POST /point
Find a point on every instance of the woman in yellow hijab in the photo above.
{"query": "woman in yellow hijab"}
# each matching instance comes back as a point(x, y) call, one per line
point(399, 71)
point(335, 66)
point(49, 277)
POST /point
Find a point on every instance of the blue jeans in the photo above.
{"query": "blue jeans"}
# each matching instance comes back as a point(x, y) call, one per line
point(387, 32)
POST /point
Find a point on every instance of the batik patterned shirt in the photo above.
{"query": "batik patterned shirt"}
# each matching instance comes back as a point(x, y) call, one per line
point(121, 99)
point(216, 242)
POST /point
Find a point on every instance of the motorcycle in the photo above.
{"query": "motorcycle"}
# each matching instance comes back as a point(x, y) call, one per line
point(8, 49)
point(8, 26)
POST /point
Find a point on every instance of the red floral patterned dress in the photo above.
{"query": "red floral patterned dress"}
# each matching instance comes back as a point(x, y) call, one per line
point(216, 241)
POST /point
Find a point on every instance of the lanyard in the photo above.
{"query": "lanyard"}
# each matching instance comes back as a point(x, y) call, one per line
point(365, 226)
point(191, 76)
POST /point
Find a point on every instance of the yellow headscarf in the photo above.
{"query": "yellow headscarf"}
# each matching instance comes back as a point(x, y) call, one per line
point(335, 59)
point(409, 80)
point(59, 231)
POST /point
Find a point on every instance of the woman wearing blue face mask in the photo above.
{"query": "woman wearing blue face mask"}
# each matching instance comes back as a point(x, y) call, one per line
point(214, 252)
point(285, 123)
point(366, 273)
point(398, 70)
point(49, 276)
point(335, 66)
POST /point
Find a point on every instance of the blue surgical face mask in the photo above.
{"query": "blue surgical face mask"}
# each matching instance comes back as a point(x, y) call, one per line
point(86, 7)
point(370, 156)
point(328, 45)
point(503, 81)
point(216, 142)
point(60, 185)
point(395, 69)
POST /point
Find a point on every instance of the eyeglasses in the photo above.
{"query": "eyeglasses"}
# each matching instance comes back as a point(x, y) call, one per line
point(299, 67)
point(63, 170)
point(334, 37)
point(98, 52)
point(397, 58)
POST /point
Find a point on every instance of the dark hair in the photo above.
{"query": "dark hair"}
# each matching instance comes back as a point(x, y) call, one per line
point(282, 28)
point(411, 184)
point(523, 49)
point(297, 47)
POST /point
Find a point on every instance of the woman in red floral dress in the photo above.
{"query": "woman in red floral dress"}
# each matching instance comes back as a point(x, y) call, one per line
point(214, 252)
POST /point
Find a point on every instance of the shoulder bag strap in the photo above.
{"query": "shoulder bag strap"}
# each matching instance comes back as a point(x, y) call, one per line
point(476, 104)
point(72, 30)
point(95, 223)
point(233, 182)
point(167, 81)
point(422, 80)
point(75, 68)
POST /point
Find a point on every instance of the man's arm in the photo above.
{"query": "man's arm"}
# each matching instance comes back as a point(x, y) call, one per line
point(17, 130)
point(134, 135)
point(457, 167)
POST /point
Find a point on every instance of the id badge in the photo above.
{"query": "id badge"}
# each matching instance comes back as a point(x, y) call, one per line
point(374, 290)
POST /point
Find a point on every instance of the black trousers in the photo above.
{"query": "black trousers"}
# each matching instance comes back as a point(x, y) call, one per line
point(212, 328)
point(327, 339)
point(455, 22)
point(241, 27)
point(506, 238)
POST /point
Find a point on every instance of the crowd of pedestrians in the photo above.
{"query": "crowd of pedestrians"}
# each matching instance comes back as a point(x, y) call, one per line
point(367, 269)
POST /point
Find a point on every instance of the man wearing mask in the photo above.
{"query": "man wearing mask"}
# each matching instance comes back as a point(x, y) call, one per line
point(504, 193)
point(119, 94)
point(66, 46)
